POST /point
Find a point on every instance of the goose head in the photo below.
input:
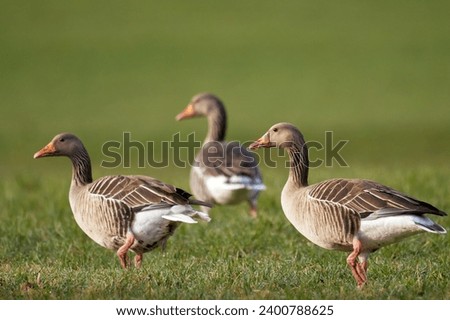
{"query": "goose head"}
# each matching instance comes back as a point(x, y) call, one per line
point(63, 144)
point(280, 135)
point(202, 105)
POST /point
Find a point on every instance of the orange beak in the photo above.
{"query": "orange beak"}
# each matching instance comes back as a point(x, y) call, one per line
point(188, 112)
point(46, 151)
point(263, 142)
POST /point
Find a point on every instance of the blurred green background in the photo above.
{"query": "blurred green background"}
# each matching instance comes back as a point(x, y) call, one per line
point(376, 73)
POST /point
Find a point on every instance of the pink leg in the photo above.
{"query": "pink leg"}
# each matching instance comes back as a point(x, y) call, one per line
point(358, 270)
point(138, 260)
point(253, 209)
point(365, 264)
point(123, 250)
point(362, 265)
point(362, 271)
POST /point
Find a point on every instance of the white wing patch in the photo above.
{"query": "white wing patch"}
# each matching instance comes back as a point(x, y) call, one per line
point(230, 190)
point(150, 223)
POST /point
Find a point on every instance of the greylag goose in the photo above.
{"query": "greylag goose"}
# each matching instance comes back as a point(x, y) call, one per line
point(357, 216)
point(224, 172)
point(122, 213)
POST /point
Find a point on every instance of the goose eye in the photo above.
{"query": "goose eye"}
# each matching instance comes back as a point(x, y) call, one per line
point(62, 140)
point(275, 129)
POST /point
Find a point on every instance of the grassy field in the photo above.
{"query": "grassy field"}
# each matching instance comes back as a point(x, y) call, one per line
point(374, 73)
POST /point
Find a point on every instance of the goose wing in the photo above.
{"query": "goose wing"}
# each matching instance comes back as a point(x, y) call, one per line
point(140, 191)
point(227, 159)
point(369, 199)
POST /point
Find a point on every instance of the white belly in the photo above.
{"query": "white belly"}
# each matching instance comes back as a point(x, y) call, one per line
point(383, 231)
point(232, 190)
point(149, 226)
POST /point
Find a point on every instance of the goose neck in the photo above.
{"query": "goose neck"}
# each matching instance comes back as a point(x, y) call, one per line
point(217, 126)
point(81, 168)
point(298, 164)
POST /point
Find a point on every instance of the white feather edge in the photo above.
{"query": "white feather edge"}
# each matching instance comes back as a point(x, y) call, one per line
point(181, 213)
point(184, 213)
point(235, 183)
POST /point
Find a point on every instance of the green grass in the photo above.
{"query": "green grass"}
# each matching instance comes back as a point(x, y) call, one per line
point(232, 257)
point(376, 74)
